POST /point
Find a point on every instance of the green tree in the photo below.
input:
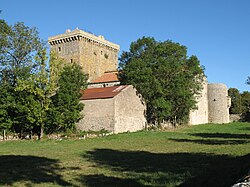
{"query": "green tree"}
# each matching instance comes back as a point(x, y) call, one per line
point(235, 101)
point(245, 99)
point(66, 107)
point(18, 48)
point(167, 79)
point(34, 97)
point(6, 99)
point(56, 65)
point(4, 32)
point(22, 61)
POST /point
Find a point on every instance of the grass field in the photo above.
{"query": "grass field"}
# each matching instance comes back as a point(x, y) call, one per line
point(204, 155)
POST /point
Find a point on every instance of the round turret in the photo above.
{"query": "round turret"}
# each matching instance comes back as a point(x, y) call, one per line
point(218, 103)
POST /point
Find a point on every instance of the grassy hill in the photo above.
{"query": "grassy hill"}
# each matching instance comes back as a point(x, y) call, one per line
point(204, 155)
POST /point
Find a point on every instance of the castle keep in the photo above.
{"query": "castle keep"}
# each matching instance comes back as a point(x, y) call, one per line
point(94, 54)
point(119, 108)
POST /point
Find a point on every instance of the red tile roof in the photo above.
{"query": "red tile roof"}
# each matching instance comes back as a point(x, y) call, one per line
point(107, 77)
point(102, 93)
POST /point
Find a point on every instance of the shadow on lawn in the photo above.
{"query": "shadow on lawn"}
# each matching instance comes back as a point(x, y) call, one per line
point(31, 169)
point(108, 181)
point(246, 129)
point(217, 139)
point(222, 135)
point(211, 141)
point(135, 168)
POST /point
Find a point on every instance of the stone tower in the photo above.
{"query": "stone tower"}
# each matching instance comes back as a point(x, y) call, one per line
point(93, 53)
point(212, 106)
point(218, 103)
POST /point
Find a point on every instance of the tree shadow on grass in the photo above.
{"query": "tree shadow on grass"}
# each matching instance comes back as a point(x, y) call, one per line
point(30, 169)
point(108, 181)
point(140, 168)
point(222, 135)
point(246, 129)
point(211, 141)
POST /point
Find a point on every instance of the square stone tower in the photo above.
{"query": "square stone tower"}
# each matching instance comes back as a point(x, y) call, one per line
point(93, 53)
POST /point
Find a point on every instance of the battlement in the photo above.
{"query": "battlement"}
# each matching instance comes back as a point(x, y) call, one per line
point(78, 34)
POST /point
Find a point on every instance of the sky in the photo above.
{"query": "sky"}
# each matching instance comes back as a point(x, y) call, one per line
point(216, 31)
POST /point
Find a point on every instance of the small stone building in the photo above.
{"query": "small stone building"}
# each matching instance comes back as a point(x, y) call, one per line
point(116, 109)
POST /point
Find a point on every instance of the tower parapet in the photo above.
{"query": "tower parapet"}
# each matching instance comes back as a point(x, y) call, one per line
point(93, 53)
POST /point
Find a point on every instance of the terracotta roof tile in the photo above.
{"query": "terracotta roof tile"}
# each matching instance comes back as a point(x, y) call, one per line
point(107, 77)
point(102, 93)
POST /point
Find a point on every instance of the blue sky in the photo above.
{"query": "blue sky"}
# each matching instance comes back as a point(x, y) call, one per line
point(216, 31)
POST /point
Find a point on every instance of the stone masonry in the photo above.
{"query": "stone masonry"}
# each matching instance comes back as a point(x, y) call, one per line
point(213, 105)
point(95, 54)
point(218, 103)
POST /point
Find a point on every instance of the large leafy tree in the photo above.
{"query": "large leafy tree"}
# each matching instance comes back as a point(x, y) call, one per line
point(66, 107)
point(168, 80)
point(6, 97)
point(236, 101)
point(23, 77)
point(245, 103)
point(34, 98)
point(245, 99)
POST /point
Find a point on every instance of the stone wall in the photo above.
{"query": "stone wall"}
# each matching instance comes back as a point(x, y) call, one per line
point(235, 117)
point(200, 115)
point(129, 111)
point(98, 115)
point(123, 113)
point(95, 54)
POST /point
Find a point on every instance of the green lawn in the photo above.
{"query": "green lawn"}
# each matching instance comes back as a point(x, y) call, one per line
point(204, 155)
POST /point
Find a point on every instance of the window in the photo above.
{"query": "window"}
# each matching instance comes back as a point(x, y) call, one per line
point(71, 61)
point(59, 49)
